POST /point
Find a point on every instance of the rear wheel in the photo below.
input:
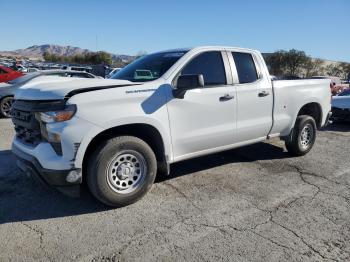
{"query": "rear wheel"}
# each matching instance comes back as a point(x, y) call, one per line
point(6, 106)
point(302, 137)
point(121, 171)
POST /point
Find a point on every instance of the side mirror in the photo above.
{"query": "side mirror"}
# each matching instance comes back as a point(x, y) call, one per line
point(187, 82)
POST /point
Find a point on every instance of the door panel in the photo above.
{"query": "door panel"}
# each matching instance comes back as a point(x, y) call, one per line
point(254, 98)
point(201, 121)
point(205, 118)
point(254, 112)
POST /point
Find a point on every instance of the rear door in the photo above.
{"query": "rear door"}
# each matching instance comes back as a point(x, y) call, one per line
point(205, 118)
point(254, 96)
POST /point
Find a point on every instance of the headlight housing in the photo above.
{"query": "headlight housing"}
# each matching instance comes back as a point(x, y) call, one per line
point(45, 118)
point(59, 116)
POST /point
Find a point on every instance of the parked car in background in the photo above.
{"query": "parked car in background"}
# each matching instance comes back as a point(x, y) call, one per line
point(5, 63)
point(341, 106)
point(32, 70)
point(22, 69)
point(112, 72)
point(99, 70)
point(7, 74)
point(335, 85)
point(77, 68)
point(7, 90)
point(345, 83)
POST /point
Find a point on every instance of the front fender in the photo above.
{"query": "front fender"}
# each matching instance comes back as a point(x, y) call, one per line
point(5, 93)
point(94, 132)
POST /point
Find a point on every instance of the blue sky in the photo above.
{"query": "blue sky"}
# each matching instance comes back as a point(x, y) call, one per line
point(319, 27)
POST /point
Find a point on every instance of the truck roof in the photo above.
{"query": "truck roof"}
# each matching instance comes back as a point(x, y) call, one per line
point(207, 47)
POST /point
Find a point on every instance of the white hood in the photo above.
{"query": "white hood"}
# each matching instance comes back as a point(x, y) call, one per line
point(55, 87)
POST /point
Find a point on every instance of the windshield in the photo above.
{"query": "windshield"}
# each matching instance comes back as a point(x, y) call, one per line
point(149, 67)
point(23, 79)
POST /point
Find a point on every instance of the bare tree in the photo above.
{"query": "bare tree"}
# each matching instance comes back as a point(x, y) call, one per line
point(313, 67)
point(334, 70)
point(290, 62)
point(346, 69)
point(295, 61)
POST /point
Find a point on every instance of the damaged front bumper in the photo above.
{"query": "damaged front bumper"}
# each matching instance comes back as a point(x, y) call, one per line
point(66, 181)
point(48, 151)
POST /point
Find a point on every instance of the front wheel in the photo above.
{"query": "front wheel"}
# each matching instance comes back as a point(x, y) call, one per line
point(6, 106)
point(302, 137)
point(121, 171)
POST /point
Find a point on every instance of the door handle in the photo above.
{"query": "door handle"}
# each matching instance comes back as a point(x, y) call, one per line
point(226, 97)
point(263, 93)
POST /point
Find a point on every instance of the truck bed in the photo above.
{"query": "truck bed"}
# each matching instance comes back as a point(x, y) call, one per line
point(291, 95)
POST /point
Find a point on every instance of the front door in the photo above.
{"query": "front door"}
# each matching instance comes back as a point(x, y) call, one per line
point(205, 118)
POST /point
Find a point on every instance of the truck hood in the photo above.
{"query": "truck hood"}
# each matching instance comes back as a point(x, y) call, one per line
point(55, 87)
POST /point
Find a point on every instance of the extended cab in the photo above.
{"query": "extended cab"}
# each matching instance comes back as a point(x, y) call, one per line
point(162, 108)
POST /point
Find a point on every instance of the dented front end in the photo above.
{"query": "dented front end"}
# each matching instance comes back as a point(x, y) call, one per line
point(47, 141)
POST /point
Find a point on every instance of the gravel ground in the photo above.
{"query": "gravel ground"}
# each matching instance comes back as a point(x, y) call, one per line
point(249, 204)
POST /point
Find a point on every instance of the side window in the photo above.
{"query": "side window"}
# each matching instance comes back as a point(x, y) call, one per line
point(210, 65)
point(2, 71)
point(245, 67)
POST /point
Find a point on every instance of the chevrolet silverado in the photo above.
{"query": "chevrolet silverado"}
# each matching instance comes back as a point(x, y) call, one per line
point(163, 108)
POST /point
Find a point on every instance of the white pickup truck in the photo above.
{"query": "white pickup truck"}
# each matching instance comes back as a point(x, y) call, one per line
point(163, 108)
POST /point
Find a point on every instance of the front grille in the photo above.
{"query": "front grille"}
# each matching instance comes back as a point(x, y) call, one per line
point(27, 127)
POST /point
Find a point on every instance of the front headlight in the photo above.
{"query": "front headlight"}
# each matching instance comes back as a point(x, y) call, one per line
point(59, 116)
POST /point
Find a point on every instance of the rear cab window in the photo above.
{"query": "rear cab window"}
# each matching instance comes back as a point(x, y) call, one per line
point(246, 69)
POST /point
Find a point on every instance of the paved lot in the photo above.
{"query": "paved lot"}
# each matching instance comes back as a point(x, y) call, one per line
point(249, 204)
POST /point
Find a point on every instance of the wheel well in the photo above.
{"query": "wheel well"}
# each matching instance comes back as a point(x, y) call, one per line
point(3, 97)
point(146, 132)
point(314, 110)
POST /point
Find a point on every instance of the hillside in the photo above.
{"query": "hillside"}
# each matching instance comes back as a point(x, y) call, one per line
point(37, 51)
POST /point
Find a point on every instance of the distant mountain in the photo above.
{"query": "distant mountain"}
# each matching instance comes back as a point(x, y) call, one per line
point(37, 51)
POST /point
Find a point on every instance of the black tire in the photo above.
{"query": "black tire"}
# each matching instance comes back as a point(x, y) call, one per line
point(99, 180)
point(5, 106)
point(296, 143)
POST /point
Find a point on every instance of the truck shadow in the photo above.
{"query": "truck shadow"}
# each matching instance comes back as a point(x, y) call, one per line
point(21, 199)
point(252, 153)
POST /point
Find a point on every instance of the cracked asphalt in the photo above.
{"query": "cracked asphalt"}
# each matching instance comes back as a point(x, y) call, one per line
point(249, 204)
